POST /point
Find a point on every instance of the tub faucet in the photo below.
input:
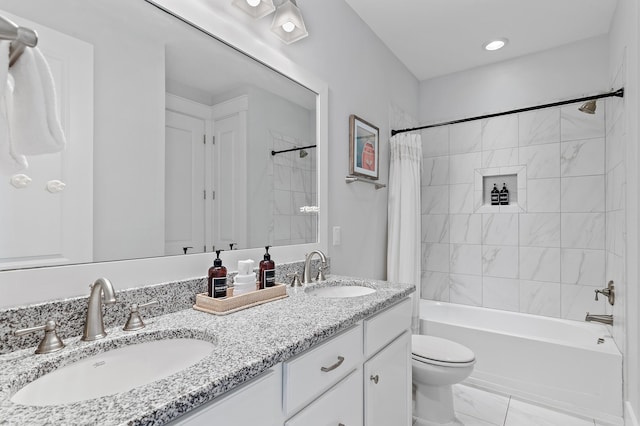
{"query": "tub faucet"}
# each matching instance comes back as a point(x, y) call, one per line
point(94, 323)
point(307, 267)
point(604, 319)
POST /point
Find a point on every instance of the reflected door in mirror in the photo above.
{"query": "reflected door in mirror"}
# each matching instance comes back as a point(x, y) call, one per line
point(184, 183)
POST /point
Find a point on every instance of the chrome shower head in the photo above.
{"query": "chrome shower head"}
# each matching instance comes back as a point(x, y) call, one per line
point(303, 153)
point(588, 107)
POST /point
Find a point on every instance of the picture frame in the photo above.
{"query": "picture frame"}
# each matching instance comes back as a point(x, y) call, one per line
point(364, 151)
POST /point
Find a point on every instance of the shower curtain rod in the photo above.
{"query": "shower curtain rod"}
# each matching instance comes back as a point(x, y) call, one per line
point(619, 93)
point(292, 149)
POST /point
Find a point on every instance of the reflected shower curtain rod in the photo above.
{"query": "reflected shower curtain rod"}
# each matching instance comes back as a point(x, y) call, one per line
point(292, 149)
point(619, 93)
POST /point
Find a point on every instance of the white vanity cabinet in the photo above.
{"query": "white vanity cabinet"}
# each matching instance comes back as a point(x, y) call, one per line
point(362, 376)
point(257, 402)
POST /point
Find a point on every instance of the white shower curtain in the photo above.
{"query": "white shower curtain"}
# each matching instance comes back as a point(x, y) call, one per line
point(404, 234)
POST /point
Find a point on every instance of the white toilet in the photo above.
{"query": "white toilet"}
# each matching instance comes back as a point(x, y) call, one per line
point(436, 365)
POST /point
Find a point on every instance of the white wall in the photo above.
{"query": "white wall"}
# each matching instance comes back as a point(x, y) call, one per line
point(566, 72)
point(364, 79)
point(624, 52)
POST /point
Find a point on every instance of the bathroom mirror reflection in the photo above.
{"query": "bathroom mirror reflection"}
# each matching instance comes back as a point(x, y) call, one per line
point(142, 97)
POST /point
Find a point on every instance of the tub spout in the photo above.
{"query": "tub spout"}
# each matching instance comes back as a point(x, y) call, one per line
point(604, 319)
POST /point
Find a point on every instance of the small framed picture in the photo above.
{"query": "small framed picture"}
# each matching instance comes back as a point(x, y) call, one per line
point(363, 148)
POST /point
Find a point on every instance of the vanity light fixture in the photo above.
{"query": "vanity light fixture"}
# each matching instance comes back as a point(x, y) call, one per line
point(496, 44)
point(288, 23)
point(256, 8)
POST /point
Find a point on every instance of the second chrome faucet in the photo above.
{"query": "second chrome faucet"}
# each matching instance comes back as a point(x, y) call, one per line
point(307, 267)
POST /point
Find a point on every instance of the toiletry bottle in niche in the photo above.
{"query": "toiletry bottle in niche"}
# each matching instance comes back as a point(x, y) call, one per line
point(217, 281)
point(495, 196)
point(504, 195)
point(267, 271)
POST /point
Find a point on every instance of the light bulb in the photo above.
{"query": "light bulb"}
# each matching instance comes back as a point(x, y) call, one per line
point(253, 3)
point(495, 44)
point(288, 26)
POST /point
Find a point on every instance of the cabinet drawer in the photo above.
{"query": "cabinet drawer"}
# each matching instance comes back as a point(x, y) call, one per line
point(386, 326)
point(311, 373)
point(341, 404)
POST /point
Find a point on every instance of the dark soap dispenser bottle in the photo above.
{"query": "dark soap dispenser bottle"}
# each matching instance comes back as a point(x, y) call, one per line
point(267, 271)
point(504, 195)
point(217, 282)
point(495, 196)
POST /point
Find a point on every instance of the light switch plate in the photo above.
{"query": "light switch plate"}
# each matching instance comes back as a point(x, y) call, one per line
point(337, 236)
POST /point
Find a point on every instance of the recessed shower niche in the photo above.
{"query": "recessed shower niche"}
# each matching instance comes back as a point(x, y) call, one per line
point(515, 180)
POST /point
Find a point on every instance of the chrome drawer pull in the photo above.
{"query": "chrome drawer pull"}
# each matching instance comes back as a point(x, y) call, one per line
point(374, 379)
point(334, 366)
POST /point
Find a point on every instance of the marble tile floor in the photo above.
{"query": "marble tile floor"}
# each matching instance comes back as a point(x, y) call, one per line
point(476, 407)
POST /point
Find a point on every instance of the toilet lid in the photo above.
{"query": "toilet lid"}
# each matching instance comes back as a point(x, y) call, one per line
point(438, 349)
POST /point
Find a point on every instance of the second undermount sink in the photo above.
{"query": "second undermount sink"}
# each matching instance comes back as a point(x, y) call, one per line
point(114, 371)
point(341, 291)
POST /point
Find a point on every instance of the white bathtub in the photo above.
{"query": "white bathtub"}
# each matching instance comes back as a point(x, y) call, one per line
point(549, 361)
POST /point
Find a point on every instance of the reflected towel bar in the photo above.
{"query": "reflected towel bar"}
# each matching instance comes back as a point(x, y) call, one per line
point(351, 179)
point(20, 38)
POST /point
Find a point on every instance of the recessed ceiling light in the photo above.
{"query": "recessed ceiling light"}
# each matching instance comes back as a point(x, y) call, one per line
point(496, 44)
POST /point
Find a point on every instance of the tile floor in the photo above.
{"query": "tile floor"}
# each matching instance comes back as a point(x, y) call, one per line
point(475, 407)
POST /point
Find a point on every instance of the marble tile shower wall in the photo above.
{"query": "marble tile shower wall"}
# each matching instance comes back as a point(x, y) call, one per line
point(294, 182)
point(546, 260)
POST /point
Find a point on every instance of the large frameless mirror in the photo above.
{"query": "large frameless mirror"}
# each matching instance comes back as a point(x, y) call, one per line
point(173, 143)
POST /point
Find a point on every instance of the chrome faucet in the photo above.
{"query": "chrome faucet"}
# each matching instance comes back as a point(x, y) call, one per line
point(101, 292)
point(307, 267)
point(604, 319)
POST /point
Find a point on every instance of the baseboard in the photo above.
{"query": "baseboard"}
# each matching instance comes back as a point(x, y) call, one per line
point(630, 418)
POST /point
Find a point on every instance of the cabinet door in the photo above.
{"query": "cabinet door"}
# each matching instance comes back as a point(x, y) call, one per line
point(255, 403)
point(340, 405)
point(387, 389)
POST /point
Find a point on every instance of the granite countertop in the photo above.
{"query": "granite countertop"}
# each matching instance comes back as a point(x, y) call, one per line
point(247, 343)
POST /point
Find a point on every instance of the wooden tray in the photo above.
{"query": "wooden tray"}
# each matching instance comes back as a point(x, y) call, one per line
point(230, 304)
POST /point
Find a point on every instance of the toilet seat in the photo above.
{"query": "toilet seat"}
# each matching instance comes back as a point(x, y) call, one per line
point(437, 351)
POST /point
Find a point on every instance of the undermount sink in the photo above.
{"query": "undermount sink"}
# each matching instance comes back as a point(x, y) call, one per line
point(114, 371)
point(341, 291)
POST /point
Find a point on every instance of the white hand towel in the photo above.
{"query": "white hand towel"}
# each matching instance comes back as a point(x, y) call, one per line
point(10, 162)
point(33, 120)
